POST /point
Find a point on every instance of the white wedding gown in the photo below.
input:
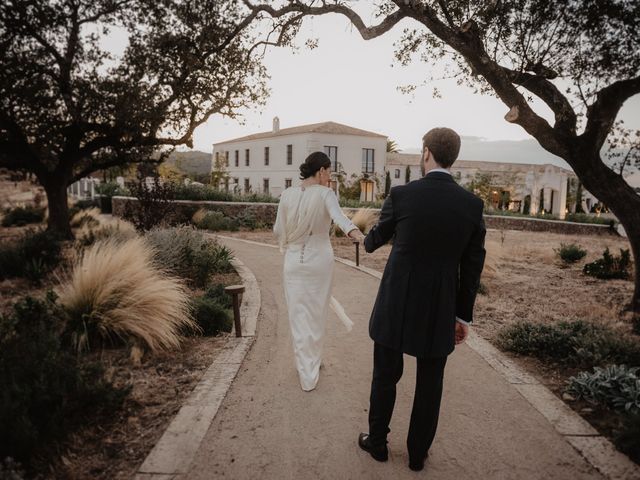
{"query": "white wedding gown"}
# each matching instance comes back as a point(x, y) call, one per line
point(302, 227)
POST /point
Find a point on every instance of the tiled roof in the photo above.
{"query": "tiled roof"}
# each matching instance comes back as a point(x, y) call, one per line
point(324, 127)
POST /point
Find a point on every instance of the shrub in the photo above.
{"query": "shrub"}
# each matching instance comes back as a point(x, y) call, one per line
point(570, 252)
point(32, 256)
point(616, 387)
point(21, 216)
point(154, 204)
point(45, 388)
point(210, 193)
point(217, 221)
point(627, 438)
point(86, 203)
point(107, 191)
point(187, 253)
point(249, 221)
point(211, 311)
point(576, 343)
point(116, 292)
point(586, 218)
point(610, 266)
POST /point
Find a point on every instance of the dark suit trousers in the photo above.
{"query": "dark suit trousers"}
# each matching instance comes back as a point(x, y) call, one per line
point(387, 371)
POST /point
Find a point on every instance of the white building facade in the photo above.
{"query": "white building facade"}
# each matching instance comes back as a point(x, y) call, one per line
point(520, 187)
point(269, 162)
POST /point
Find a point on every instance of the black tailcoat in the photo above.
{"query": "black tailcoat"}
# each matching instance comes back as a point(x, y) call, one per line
point(433, 271)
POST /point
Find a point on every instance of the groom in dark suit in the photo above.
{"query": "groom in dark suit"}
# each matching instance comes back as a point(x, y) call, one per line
point(426, 296)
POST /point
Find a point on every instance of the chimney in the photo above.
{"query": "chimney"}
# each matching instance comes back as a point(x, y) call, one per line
point(276, 124)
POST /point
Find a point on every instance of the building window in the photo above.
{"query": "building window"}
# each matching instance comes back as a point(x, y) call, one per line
point(226, 159)
point(217, 156)
point(266, 156)
point(287, 182)
point(247, 186)
point(368, 163)
point(237, 158)
point(332, 153)
point(265, 186)
point(226, 184)
point(246, 157)
point(289, 154)
point(397, 173)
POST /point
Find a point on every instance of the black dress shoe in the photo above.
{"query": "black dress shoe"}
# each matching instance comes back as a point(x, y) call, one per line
point(417, 465)
point(379, 453)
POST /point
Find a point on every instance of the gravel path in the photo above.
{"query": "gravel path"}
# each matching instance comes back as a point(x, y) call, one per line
point(268, 428)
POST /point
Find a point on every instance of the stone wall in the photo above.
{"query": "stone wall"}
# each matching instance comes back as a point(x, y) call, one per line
point(266, 213)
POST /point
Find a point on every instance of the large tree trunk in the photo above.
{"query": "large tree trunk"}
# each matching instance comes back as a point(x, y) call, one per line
point(56, 189)
point(611, 189)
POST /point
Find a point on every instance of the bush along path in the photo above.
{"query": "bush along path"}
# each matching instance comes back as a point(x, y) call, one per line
point(63, 352)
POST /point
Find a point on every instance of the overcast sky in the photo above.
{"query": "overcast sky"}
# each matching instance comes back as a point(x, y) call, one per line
point(353, 81)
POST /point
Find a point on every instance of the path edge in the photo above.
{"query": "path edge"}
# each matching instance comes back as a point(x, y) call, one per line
point(173, 454)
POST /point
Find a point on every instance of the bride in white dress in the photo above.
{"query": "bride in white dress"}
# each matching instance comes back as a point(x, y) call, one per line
point(302, 228)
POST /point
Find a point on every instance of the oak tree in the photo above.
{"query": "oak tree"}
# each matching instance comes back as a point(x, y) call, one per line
point(72, 102)
point(580, 59)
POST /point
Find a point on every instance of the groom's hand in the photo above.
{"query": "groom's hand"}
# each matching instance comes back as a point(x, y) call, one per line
point(462, 331)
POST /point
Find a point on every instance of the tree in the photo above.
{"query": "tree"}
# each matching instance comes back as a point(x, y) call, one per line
point(219, 174)
point(407, 174)
point(69, 107)
point(392, 146)
point(580, 58)
point(387, 184)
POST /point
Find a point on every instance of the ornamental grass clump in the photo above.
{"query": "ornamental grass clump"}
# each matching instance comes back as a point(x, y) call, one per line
point(116, 293)
point(364, 219)
point(115, 229)
point(89, 217)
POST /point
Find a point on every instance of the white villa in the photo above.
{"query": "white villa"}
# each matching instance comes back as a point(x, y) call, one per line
point(520, 187)
point(268, 162)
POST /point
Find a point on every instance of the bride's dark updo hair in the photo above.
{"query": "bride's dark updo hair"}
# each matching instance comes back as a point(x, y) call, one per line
point(313, 163)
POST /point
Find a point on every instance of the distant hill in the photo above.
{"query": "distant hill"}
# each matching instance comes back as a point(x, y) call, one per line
point(191, 163)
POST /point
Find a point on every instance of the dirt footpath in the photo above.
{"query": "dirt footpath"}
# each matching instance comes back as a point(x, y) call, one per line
point(268, 428)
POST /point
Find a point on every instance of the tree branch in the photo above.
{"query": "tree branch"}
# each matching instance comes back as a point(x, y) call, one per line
point(367, 33)
point(603, 112)
point(565, 116)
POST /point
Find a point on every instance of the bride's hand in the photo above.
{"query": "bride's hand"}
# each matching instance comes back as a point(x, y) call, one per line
point(356, 235)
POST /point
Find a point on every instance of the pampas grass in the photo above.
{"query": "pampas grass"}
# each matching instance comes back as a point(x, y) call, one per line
point(114, 291)
point(89, 217)
point(364, 219)
point(111, 228)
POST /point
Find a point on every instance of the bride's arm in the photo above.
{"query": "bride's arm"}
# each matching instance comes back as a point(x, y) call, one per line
point(338, 216)
point(278, 226)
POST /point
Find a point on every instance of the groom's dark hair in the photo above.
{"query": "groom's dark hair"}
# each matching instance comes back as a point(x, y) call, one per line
point(444, 145)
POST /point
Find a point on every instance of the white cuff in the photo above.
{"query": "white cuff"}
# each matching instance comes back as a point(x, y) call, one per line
point(458, 319)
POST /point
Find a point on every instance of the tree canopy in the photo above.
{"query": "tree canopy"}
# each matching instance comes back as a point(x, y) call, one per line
point(71, 103)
